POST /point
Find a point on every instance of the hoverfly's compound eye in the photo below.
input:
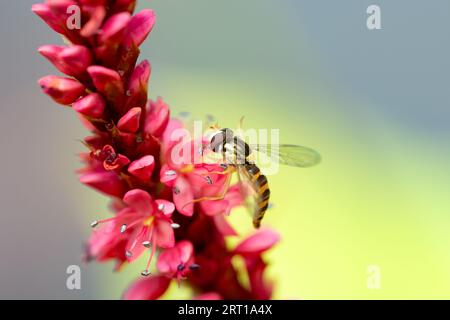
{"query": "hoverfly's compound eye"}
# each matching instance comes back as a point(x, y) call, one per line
point(219, 140)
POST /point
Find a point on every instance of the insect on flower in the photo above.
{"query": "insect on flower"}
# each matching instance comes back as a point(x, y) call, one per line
point(237, 157)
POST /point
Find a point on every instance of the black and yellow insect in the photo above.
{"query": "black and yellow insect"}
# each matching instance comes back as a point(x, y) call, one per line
point(236, 154)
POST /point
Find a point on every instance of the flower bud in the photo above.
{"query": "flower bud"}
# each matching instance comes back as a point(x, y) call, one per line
point(96, 15)
point(44, 12)
point(114, 28)
point(62, 90)
point(137, 85)
point(75, 59)
point(92, 105)
point(130, 121)
point(107, 82)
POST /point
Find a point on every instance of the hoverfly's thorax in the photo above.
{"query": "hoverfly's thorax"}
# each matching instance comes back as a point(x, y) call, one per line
point(220, 139)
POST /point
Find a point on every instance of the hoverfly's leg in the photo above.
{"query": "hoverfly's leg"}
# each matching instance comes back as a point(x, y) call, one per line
point(227, 170)
point(241, 123)
point(214, 198)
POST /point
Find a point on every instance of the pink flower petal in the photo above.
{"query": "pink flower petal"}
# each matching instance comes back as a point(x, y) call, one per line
point(62, 90)
point(167, 207)
point(92, 105)
point(142, 168)
point(215, 207)
point(139, 200)
point(257, 243)
point(186, 250)
point(150, 288)
point(223, 226)
point(170, 259)
point(183, 196)
point(158, 115)
point(172, 126)
point(168, 176)
point(130, 121)
point(163, 233)
point(261, 290)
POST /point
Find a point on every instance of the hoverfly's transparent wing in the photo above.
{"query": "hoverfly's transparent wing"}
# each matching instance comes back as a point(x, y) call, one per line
point(244, 185)
point(290, 154)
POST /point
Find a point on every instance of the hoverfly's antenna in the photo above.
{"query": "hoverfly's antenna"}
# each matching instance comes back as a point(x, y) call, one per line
point(215, 126)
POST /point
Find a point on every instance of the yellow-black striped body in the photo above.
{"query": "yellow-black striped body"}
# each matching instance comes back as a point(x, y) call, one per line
point(262, 192)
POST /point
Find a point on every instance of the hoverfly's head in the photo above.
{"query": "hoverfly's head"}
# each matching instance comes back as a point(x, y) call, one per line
point(220, 138)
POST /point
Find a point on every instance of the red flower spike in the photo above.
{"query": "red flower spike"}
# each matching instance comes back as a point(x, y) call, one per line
point(182, 208)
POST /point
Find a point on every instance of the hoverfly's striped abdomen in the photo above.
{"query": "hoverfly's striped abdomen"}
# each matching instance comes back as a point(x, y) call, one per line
point(262, 193)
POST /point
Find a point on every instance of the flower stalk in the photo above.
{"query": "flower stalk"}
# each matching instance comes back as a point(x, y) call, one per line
point(128, 158)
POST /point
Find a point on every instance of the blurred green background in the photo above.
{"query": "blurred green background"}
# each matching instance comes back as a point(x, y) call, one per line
point(375, 104)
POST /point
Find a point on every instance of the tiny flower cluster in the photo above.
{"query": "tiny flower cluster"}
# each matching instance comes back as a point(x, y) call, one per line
point(174, 209)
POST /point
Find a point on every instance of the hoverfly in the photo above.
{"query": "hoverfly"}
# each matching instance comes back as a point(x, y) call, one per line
point(236, 154)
